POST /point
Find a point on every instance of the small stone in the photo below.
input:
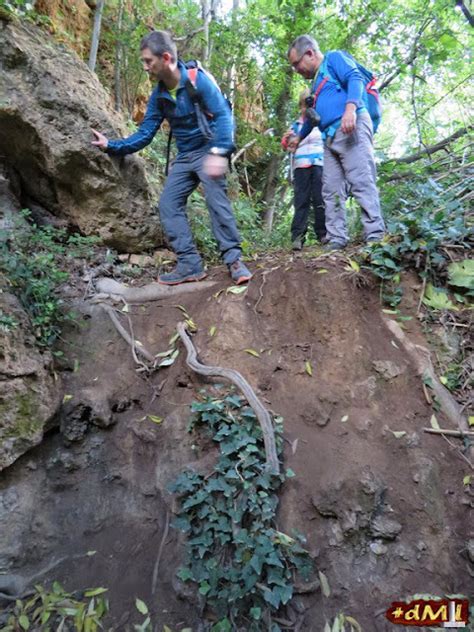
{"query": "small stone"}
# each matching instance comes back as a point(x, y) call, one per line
point(387, 369)
point(470, 549)
point(378, 548)
point(385, 528)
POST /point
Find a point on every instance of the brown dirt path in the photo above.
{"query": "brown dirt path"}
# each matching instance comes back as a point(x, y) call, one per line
point(384, 517)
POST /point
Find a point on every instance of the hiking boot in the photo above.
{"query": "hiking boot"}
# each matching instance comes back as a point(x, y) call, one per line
point(297, 244)
point(239, 272)
point(183, 273)
point(333, 245)
point(323, 239)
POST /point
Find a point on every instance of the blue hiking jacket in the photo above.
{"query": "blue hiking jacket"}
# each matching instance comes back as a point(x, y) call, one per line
point(181, 115)
point(332, 99)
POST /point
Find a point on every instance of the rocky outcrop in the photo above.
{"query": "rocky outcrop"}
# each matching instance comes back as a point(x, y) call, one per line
point(29, 393)
point(49, 101)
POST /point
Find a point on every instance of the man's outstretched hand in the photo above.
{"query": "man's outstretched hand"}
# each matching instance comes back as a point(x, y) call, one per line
point(215, 166)
point(100, 141)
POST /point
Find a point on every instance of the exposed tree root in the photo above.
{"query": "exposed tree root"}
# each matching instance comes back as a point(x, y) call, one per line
point(125, 335)
point(236, 378)
point(152, 292)
point(421, 359)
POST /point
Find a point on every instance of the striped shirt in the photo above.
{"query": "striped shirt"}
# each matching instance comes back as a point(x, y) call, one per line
point(310, 150)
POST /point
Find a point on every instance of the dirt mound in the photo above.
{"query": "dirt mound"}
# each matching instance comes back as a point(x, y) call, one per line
point(382, 504)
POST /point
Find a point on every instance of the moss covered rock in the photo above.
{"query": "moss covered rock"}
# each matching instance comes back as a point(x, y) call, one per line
point(29, 392)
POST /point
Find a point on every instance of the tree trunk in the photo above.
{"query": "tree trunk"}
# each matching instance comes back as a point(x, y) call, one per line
point(118, 60)
point(273, 168)
point(231, 72)
point(206, 17)
point(96, 34)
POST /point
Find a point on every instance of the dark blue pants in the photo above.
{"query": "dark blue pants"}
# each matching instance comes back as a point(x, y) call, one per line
point(185, 175)
point(307, 182)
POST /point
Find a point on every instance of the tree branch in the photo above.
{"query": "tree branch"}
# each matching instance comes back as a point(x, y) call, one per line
point(432, 149)
point(410, 59)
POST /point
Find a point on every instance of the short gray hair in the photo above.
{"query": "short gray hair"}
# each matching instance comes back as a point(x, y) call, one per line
point(159, 42)
point(303, 43)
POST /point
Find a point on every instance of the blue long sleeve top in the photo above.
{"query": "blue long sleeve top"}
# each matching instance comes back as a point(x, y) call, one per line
point(181, 115)
point(345, 85)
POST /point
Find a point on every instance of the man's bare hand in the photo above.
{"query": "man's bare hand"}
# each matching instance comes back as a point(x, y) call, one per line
point(215, 166)
point(293, 143)
point(100, 141)
point(349, 119)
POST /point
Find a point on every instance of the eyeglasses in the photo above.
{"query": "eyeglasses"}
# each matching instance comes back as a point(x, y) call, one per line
point(295, 64)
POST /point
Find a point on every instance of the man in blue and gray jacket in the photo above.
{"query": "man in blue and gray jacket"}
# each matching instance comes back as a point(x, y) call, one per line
point(347, 130)
point(202, 124)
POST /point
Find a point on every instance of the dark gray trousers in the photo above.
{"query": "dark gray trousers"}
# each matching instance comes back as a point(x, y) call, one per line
point(185, 175)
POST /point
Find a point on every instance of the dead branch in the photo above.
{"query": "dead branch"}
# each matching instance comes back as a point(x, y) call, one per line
point(449, 433)
point(236, 378)
point(243, 149)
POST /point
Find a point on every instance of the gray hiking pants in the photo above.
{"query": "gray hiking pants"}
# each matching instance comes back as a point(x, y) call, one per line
point(185, 175)
point(350, 157)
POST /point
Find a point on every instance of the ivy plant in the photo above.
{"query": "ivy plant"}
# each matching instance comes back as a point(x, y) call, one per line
point(244, 568)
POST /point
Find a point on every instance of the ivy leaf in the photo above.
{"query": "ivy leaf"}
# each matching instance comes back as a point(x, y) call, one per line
point(437, 298)
point(256, 613)
point(24, 622)
point(141, 606)
point(185, 574)
point(461, 274)
point(204, 587)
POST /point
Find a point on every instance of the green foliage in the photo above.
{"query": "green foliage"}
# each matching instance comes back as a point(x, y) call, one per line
point(242, 566)
point(426, 220)
point(19, 8)
point(7, 322)
point(50, 611)
point(33, 259)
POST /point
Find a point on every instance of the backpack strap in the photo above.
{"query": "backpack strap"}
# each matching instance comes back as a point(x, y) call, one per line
point(192, 76)
point(197, 101)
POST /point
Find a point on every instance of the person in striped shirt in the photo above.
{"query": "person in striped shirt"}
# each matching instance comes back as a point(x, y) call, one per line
point(307, 174)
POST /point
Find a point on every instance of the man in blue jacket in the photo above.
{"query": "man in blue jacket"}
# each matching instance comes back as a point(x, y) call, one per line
point(204, 137)
point(347, 131)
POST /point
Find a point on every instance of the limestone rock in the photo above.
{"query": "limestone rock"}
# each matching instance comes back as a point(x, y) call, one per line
point(387, 369)
point(385, 528)
point(49, 101)
point(29, 394)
